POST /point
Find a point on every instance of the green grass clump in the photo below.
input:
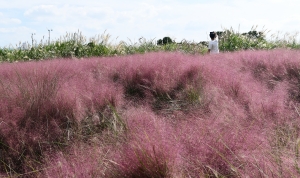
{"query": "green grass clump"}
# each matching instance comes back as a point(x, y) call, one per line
point(230, 40)
point(76, 45)
point(69, 46)
point(233, 41)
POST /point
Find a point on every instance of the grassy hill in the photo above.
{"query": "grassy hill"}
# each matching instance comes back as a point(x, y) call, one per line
point(159, 114)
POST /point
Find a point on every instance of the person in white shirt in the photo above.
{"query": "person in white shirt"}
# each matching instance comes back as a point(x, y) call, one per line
point(213, 45)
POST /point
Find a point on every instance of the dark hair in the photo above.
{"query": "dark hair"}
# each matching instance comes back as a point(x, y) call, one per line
point(212, 35)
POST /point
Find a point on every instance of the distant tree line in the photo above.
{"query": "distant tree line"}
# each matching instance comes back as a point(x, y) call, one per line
point(221, 35)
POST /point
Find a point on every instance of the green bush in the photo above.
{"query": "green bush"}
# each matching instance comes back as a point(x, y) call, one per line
point(75, 45)
point(233, 41)
point(164, 41)
point(229, 40)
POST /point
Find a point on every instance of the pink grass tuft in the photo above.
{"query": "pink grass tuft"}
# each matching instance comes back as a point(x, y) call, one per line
point(152, 115)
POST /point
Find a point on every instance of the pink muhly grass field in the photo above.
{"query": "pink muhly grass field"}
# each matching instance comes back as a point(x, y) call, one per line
point(152, 115)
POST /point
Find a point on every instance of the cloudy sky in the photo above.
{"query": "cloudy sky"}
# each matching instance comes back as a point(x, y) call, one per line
point(152, 19)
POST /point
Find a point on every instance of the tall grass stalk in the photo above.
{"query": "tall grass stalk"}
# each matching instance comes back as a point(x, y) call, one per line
point(76, 45)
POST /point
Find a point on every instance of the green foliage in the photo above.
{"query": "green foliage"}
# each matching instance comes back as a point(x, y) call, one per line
point(75, 45)
point(230, 40)
point(69, 46)
point(106, 119)
point(165, 40)
point(193, 95)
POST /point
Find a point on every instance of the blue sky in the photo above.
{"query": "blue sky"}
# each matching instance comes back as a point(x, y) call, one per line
point(152, 19)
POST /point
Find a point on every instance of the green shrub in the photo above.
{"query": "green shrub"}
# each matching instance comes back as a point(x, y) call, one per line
point(165, 40)
point(229, 40)
point(75, 45)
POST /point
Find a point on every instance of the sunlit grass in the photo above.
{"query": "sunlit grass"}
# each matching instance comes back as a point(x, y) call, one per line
point(155, 113)
point(231, 40)
point(76, 45)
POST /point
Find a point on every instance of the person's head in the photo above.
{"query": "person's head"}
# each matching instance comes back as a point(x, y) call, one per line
point(212, 35)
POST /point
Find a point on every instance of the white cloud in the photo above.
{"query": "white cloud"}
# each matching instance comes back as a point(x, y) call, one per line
point(12, 30)
point(13, 36)
point(190, 19)
point(50, 9)
point(4, 20)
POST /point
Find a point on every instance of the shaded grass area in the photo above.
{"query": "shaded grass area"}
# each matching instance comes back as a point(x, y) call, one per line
point(158, 114)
